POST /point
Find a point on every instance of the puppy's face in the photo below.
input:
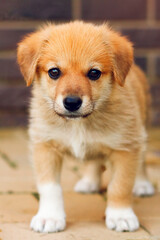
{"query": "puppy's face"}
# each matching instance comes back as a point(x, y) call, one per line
point(75, 66)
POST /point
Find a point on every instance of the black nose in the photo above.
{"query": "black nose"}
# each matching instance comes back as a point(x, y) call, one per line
point(72, 103)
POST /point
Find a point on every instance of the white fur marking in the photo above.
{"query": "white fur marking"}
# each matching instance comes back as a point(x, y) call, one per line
point(51, 215)
point(143, 188)
point(86, 185)
point(121, 219)
point(59, 103)
point(78, 139)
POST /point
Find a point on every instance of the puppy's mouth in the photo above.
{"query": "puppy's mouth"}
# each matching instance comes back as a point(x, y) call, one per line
point(73, 115)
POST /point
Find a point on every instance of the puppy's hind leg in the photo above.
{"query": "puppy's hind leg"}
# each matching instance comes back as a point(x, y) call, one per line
point(90, 182)
point(47, 162)
point(142, 186)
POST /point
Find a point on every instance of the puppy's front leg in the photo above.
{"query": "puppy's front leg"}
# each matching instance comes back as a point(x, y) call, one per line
point(119, 213)
point(47, 162)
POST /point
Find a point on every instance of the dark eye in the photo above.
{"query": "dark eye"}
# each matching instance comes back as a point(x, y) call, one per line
point(54, 73)
point(94, 74)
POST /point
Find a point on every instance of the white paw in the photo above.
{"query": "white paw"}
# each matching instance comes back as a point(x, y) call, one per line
point(121, 219)
point(86, 185)
point(47, 225)
point(51, 215)
point(143, 188)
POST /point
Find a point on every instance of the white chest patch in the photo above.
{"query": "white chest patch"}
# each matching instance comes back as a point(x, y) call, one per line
point(78, 139)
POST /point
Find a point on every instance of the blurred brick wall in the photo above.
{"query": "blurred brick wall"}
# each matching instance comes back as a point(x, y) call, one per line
point(138, 19)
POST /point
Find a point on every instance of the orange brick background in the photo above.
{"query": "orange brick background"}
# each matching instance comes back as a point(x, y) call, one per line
point(138, 19)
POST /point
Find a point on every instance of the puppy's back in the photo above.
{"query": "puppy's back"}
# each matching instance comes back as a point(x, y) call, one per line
point(139, 86)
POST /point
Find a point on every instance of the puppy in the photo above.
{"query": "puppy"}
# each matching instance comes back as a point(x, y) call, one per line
point(90, 100)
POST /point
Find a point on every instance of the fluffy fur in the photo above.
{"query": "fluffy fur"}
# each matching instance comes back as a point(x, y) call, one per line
point(109, 126)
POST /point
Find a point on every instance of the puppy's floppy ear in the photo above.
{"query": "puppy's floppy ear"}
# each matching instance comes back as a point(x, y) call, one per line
point(122, 56)
point(28, 54)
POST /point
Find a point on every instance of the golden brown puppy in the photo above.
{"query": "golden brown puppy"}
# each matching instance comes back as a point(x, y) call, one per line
point(90, 100)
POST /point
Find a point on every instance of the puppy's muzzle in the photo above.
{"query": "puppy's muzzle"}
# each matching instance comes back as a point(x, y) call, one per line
point(72, 103)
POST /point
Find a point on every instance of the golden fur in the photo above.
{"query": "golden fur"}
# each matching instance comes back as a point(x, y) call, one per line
point(114, 116)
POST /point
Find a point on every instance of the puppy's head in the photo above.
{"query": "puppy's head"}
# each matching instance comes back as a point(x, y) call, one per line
point(75, 65)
